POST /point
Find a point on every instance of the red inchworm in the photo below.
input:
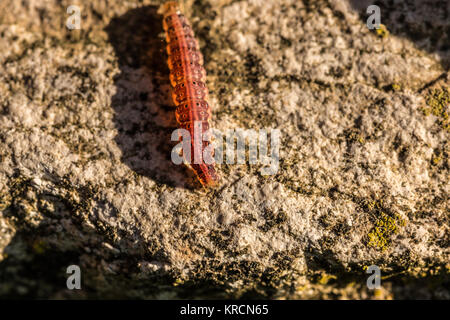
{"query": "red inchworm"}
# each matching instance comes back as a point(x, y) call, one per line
point(189, 93)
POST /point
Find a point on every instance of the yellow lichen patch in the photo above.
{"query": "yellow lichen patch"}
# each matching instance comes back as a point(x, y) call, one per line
point(438, 104)
point(385, 227)
point(382, 31)
point(435, 160)
point(361, 139)
point(177, 282)
point(325, 278)
point(378, 293)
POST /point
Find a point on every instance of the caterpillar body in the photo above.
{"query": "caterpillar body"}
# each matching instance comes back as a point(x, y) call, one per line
point(189, 91)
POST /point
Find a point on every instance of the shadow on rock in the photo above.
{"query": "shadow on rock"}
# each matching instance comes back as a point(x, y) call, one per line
point(144, 113)
point(424, 22)
point(56, 228)
point(50, 237)
point(326, 268)
point(52, 233)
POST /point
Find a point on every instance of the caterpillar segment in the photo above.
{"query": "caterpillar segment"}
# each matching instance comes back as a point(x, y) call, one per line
point(189, 91)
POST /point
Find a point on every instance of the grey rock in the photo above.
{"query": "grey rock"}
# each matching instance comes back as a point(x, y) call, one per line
point(86, 177)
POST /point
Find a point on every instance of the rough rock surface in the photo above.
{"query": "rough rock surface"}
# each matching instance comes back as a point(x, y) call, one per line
point(86, 176)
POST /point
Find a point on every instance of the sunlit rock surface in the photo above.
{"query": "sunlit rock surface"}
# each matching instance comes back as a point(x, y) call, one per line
point(86, 177)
